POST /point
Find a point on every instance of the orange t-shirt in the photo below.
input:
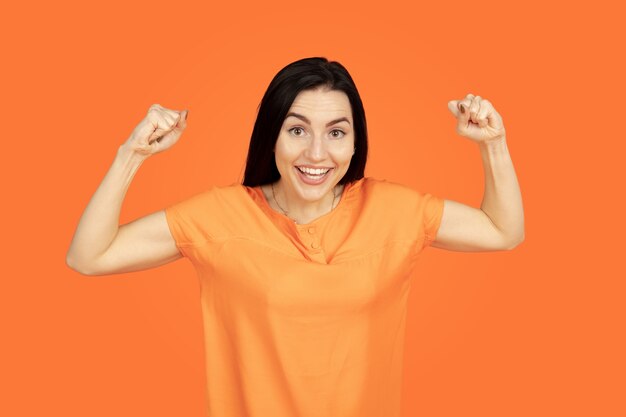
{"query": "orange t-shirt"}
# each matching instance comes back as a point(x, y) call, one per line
point(305, 320)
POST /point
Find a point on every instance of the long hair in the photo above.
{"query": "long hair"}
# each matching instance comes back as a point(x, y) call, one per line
point(304, 74)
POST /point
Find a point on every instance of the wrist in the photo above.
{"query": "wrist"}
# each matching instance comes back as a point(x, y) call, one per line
point(495, 150)
point(130, 155)
point(496, 142)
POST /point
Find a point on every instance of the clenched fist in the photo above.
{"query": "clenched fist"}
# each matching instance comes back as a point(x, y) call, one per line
point(158, 131)
point(477, 119)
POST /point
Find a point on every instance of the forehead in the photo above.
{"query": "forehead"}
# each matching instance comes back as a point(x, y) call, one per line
point(322, 104)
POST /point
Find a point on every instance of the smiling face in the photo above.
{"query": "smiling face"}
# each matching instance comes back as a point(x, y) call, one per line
point(315, 145)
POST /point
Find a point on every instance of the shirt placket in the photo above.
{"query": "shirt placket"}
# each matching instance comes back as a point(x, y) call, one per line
point(310, 237)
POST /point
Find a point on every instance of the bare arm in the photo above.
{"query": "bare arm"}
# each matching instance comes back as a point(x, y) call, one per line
point(499, 222)
point(99, 245)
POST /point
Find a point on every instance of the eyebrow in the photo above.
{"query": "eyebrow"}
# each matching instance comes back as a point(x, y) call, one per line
point(304, 119)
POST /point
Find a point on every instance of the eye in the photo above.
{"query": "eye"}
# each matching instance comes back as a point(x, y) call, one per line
point(340, 133)
point(296, 129)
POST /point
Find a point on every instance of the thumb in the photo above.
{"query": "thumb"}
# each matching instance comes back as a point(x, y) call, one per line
point(460, 111)
point(182, 123)
point(453, 106)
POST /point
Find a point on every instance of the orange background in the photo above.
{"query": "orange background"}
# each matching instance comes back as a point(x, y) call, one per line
point(538, 331)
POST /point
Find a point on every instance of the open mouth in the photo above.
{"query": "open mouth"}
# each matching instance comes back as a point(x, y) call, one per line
point(314, 174)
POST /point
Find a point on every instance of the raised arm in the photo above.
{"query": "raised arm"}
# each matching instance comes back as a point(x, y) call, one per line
point(499, 222)
point(99, 245)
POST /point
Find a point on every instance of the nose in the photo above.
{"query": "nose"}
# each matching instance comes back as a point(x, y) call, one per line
point(316, 149)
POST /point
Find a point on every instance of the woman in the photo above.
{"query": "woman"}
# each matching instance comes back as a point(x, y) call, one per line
point(305, 267)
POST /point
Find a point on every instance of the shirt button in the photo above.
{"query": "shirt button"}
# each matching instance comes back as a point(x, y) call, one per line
point(311, 230)
point(315, 245)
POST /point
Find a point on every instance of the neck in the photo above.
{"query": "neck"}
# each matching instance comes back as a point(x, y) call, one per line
point(300, 211)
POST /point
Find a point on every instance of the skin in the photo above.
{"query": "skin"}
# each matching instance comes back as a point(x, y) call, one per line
point(101, 247)
point(312, 143)
point(499, 222)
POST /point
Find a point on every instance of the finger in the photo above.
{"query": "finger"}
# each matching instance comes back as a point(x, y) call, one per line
point(157, 116)
point(157, 134)
point(157, 123)
point(171, 112)
point(486, 113)
point(144, 130)
point(463, 106)
point(453, 106)
point(180, 119)
point(474, 108)
point(495, 120)
point(156, 146)
point(466, 102)
point(174, 115)
point(170, 117)
point(160, 125)
point(483, 115)
point(167, 140)
point(182, 122)
point(164, 137)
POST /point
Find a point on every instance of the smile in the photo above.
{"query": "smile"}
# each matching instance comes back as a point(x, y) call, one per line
point(313, 176)
point(313, 172)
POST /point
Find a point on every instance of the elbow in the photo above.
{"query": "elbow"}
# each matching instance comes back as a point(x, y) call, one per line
point(79, 267)
point(515, 242)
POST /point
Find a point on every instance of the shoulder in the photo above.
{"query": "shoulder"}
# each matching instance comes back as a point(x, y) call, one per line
point(388, 190)
point(397, 199)
point(217, 212)
point(212, 198)
point(216, 192)
point(400, 211)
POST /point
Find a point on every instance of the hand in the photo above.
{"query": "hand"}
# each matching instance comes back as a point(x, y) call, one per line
point(158, 131)
point(479, 121)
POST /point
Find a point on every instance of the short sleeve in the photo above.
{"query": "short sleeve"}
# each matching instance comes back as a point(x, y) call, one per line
point(185, 220)
point(431, 208)
point(412, 215)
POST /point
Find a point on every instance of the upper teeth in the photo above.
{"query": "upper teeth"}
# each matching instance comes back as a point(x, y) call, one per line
point(312, 171)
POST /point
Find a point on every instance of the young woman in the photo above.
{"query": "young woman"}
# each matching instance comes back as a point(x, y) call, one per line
point(305, 267)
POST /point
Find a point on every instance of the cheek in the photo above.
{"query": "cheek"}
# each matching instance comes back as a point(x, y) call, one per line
point(283, 153)
point(342, 163)
point(343, 156)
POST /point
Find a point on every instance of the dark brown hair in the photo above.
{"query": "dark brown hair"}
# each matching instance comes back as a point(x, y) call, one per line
point(305, 74)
